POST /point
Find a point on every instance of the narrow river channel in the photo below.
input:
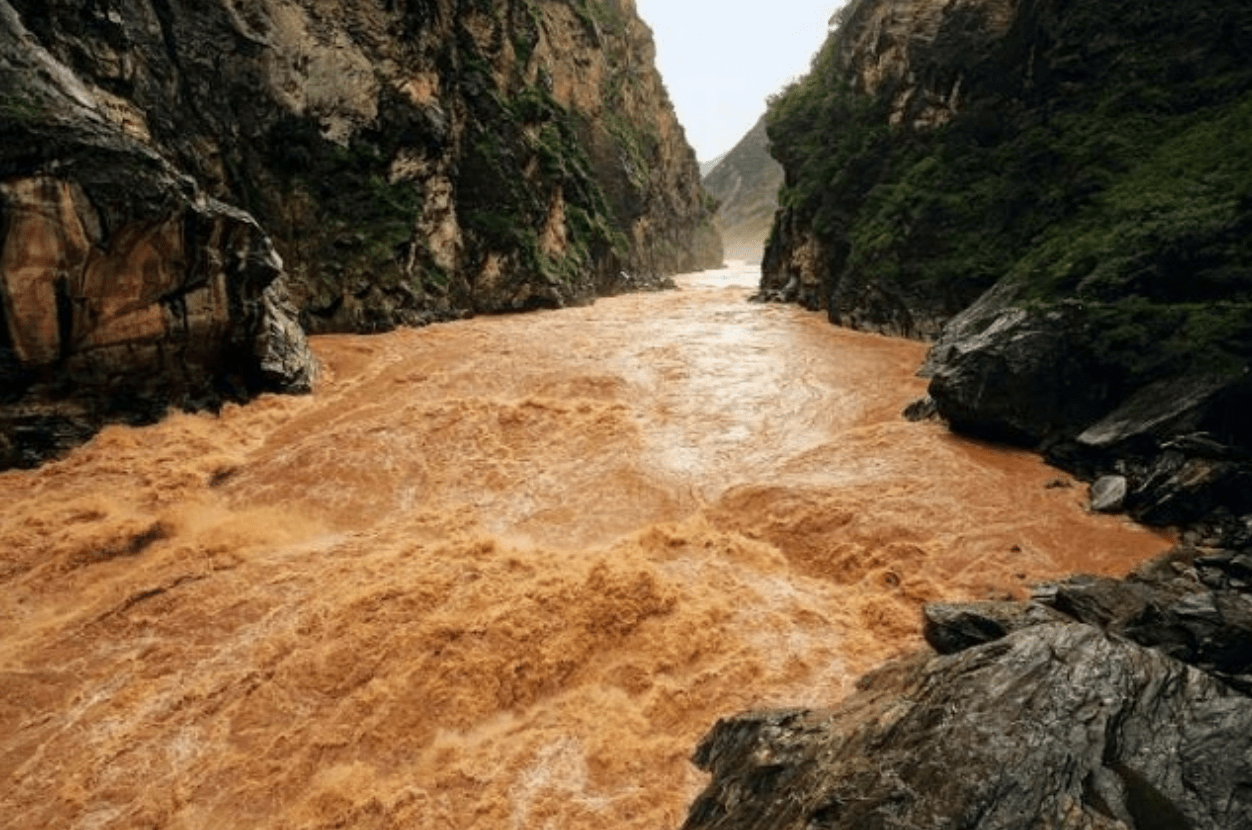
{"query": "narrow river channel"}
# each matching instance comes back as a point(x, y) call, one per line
point(501, 573)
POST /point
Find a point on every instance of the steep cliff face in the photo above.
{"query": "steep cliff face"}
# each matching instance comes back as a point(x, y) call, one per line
point(892, 73)
point(1074, 180)
point(410, 159)
point(123, 286)
point(745, 184)
point(401, 161)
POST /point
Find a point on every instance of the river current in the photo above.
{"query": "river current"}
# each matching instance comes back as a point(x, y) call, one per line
point(500, 573)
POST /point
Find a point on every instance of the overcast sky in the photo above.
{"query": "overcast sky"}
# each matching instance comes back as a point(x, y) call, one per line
point(721, 58)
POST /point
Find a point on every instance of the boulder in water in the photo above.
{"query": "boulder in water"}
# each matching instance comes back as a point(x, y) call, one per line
point(1108, 494)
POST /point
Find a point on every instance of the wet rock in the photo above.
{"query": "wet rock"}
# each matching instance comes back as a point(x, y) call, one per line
point(1174, 409)
point(1057, 725)
point(1101, 601)
point(124, 288)
point(1014, 375)
point(922, 409)
point(1103, 703)
point(1108, 494)
point(1170, 453)
point(1197, 609)
point(1176, 489)
point(952, 627)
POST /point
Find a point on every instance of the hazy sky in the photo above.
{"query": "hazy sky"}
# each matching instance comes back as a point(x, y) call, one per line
point(722, 58)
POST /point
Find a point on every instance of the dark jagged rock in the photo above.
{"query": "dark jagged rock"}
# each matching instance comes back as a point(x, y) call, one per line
point(1019, 379)
point(1197, 610)
point(1090, 718)
point(950, 627)
point(1040, 380)
point(1057, 726)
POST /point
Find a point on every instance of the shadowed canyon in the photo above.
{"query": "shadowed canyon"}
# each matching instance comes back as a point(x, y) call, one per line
point(637, 558)
point(497, 573)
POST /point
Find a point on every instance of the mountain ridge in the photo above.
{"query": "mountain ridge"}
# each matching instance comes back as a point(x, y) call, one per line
point(745, 183)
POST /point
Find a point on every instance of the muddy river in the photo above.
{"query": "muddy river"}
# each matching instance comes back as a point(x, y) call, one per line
point(502, 573)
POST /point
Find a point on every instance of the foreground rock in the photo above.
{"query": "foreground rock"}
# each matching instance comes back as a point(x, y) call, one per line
point(1117, 707)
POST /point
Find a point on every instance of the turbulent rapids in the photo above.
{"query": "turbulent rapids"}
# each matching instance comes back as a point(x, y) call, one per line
point(501, 573)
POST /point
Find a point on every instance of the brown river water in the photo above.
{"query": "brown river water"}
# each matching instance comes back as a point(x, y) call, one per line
point(501, 573)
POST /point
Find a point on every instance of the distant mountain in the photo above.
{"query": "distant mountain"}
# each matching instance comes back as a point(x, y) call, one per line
point(707, 167)
point(746, 181)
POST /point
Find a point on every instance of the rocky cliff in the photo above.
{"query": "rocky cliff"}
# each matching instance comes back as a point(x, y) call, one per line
point(1059, 194)
point(182, 180)
point(745, 183)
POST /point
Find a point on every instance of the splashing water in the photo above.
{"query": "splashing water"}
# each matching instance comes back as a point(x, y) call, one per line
point(501, 573)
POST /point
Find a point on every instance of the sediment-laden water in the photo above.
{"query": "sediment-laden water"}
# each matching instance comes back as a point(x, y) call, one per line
point(501, 573)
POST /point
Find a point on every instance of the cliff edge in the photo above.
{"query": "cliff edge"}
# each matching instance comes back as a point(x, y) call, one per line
point(350, 166)
point(1059, 195)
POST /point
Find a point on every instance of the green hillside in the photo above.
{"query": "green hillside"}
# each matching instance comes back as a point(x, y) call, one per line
point(1102, 152)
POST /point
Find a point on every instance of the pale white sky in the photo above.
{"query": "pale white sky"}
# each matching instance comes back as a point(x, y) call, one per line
point(721, 58)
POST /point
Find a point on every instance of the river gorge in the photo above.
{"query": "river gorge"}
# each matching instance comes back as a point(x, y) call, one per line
point(502, 572)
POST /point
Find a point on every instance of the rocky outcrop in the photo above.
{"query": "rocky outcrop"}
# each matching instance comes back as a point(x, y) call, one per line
point(1115, 705)
point(123, 286)
point(181, 183)
point(412, 159)
point(745, 184)
point(1051, 192)
point(1178, 438)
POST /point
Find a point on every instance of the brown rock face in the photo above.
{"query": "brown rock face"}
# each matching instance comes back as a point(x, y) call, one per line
point(185, 308)
point(412, 160)
point(123, 287)
point(407, 161)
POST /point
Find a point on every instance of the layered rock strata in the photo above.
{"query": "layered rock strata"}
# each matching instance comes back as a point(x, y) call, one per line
point(123, 286)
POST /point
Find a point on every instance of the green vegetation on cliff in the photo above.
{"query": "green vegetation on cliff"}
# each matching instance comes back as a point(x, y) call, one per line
point(1099, 151)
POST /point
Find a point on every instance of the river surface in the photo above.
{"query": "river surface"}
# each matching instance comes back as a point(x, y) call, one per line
point(501, 573)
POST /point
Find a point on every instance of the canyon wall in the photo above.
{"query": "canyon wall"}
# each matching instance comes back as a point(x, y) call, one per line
point(231, 167)
point(1059, 195)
